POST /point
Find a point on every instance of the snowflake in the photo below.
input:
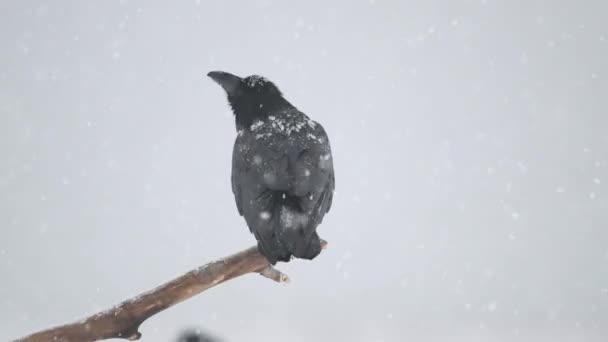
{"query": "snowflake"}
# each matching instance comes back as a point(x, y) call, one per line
point(256, 125)
point(255, 80)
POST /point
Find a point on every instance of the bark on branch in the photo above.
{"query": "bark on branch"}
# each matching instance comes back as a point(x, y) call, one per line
point(124, 319)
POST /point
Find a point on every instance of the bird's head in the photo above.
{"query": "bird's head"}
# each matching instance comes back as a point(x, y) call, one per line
point(251, 98)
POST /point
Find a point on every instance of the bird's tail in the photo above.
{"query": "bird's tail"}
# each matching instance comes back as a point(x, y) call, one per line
point(297, 233)
point(296, 228)
point(293, 232)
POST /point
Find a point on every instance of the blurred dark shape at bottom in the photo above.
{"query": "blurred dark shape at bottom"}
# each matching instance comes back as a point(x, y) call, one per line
point(196, 335)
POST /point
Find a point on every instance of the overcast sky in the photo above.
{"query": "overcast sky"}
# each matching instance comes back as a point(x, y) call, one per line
point(470, 143)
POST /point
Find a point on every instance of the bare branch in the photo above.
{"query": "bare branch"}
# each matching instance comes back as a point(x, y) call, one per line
point(274, 274)
point(123, 320)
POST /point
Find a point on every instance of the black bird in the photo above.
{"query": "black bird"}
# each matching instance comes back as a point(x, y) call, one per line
point(282, 168)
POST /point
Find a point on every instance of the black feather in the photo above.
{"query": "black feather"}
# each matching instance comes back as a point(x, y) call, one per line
point(282, 169)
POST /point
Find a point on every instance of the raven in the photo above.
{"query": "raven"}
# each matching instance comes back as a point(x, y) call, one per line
point(282, 168)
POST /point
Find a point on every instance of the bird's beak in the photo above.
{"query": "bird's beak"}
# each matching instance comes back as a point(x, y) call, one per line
point(227, 80)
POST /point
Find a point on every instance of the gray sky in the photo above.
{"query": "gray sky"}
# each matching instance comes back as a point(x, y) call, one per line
point(470, 145)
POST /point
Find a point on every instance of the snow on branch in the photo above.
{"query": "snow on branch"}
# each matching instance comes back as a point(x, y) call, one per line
point(123, 320)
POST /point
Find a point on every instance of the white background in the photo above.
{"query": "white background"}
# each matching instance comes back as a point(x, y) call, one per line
point(471, 153)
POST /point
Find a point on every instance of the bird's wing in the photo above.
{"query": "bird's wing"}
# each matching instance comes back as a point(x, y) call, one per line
point(239, 168)
point(258, 175)
point(281, 179)
point(314, 174)
point(257, 171)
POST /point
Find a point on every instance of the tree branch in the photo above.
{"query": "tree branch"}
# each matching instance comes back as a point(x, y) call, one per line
point(124, 319)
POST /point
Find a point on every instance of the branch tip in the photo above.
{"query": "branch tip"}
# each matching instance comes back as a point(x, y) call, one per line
point(323, 244)
point(274, 274)
point(285, 278)
point(134, 337)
